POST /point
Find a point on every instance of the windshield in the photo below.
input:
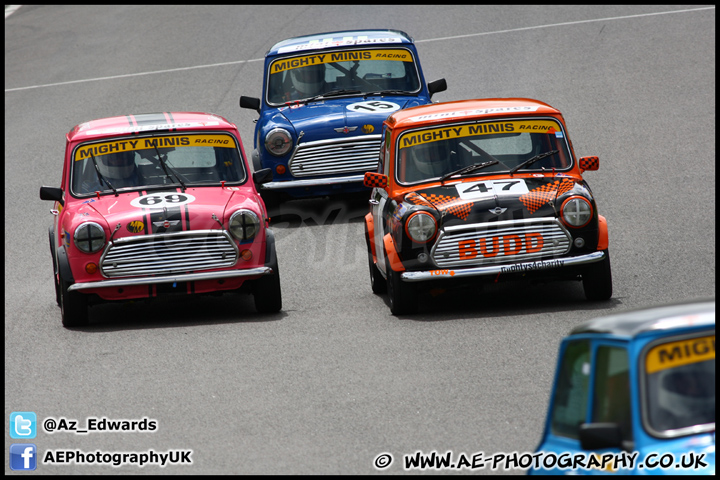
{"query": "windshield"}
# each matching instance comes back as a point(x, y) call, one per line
point(680, 386)
point(358, 70)
point(189, 159)
point(487, 147)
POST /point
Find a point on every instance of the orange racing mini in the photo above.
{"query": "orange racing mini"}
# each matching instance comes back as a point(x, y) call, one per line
point(483, 190)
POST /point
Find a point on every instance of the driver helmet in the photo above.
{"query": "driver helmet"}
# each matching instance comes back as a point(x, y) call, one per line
point(687, 393)
point(309, 80)
point(430, 159)
point(120, 165)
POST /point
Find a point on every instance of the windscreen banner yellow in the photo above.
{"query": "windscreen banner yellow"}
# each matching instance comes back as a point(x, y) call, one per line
point(175, 141)
point(397, 54)
point(683, 352)
point(445, 133)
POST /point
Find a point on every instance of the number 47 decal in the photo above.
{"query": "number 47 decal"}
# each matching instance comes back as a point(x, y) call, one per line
point(474, 191)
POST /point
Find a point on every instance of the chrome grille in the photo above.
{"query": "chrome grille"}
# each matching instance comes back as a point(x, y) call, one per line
point(329, 157)
point(169, 253)
point(556, 241)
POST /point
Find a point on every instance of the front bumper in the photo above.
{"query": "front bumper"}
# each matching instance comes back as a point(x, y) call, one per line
point(319, 182)
point(523, 267)
point(184, 277)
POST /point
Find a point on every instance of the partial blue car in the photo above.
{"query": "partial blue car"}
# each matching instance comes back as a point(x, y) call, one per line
point(324, 99)
point(640, 382)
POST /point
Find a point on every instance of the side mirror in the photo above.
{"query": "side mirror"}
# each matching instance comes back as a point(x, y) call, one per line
point(597, 436)
point(262, 176)
point(589, 163)
point(250, 102)
point(437, 86)
point(52, 193)
point(375, 180)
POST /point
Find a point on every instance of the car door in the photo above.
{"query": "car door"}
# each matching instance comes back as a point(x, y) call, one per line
point(592, 386)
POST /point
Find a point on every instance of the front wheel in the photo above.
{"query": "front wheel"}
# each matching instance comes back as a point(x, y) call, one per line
point(73, 307)
point(401, 294)
point(377, 281)
point(267, 293)
point(597, 279)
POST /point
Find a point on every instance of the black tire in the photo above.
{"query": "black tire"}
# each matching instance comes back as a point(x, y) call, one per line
point(401, 294)
point(73, 307)
point(377, 281)
point(55, 268)
point(267, 293)
point(597, 279)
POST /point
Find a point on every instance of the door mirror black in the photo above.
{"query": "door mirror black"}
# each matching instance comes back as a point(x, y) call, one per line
point(262, 176)
point(250, 102)
point(597, 436)
point(437, 86)
point(52, 193)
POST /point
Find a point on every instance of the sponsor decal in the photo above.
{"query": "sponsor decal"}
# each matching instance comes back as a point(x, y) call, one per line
point(507, 244)
point(538, 197)
point(374, 106)
point(488, 189)
point(282, 64)
point(339, 42)
point(684, 352)
point(368, 128)
point(162, 200)
point(136, 226)
point(473, 112)
point(412, 138)
point(175, 141)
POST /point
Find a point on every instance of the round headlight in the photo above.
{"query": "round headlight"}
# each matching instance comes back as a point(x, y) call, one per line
point(89, 237)
point(421, 227)
point(278, 142)
point(576, 212)
point(244, 225)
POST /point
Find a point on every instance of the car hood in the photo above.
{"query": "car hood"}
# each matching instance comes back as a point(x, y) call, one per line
point(344, 117)
point(480, 201)
point(145, 213)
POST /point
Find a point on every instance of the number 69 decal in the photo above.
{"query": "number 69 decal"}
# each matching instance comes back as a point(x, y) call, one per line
point(374, 106)
point(162, 199)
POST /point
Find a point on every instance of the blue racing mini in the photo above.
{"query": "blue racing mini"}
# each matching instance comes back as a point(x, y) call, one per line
point(634, 393)
point(325, 97)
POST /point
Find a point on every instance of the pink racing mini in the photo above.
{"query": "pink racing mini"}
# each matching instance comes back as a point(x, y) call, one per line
point(158, 204)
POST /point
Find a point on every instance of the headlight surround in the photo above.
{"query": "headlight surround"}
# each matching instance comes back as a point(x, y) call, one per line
point(278, 142)
point(421, 227)
point(89, 237)
point(576, 212)
point(244, 225)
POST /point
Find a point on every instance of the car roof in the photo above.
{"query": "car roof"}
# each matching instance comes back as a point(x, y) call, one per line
point(146, 122)
point(335, 39)
point(671, 317)
point(443, 112)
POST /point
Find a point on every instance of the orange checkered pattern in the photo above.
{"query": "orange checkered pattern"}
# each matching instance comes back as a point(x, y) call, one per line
point(538, 197)
point(375, 180)
point(589, 163)
point(454, 205)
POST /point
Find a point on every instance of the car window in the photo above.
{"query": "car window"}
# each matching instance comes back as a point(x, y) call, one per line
point(428, 154)
point(571, 390)
point(364, 70)
point(193, 159)
point(680, 384)
point(611, 402)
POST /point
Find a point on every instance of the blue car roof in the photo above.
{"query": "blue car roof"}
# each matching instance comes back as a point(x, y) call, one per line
point(302, 43)
point(670, 317)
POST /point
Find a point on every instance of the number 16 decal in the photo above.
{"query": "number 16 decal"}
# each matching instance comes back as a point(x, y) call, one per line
point(475, 191)
point(162, 199)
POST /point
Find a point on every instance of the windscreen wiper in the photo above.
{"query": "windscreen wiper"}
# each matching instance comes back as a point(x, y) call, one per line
point(167, 167)
point(387, 92)
point(331, 93)
point(468, 169)
point(533, 160)
point(100, 175)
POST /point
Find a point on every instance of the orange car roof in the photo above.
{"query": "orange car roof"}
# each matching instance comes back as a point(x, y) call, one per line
point(468, 109)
